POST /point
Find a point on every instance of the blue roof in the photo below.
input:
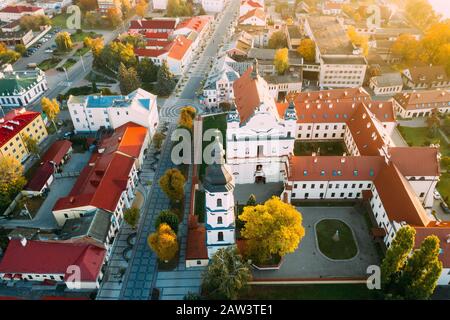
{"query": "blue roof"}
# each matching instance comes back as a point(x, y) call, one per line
point(101, 101)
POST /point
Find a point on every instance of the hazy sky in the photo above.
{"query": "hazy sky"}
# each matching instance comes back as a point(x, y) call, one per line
point(441, 6)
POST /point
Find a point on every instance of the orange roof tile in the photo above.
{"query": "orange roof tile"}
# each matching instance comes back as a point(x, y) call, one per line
point(179, 47)
point(416, 161)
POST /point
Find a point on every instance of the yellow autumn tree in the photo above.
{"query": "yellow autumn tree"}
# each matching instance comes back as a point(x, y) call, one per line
point(95, 44)
point(51, 109)
point(307, 49)
point(271, 230)
point(281, 60)
point(142, 8)
point(358, 40)
point(164, 242)
point(11, 179)
point(187, 115)
point(172, 183)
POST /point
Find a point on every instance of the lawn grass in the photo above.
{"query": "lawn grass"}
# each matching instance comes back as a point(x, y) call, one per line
point(326, 148)
point(69, 63)
point(213, 122)
point(345, 248)
point(199, 206)
point(309, 292)
point(80, 36)
point(49, 63)
point(82, 51)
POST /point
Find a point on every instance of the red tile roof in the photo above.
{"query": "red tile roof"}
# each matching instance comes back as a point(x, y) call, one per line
point(196, 244)
point(179, 47)
point(157, 43)
point(99, 185)
point(367, 133)
point(428, 99)
point(150, 53)
point(399, 199)
point(40, 178)
point(14, 122)
point(153, 24)
point(252, 3)
point(157, 35)
point(333, 95)
point(128, 139)
point(57, 151)
point(259, 13)
point(416, 161)
point(19, 9)
point(443, 233)
point(39, 257)
point(335, 168)
point(195, 23)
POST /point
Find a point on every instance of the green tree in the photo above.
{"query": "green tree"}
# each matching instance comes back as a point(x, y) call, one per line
point(272, 229)
point(281, 60)
point(433, 123)
point(422, 271)
point(396, 257)
point(128, 79)
point(172, 183)
point(168, 217)
point(131, 216)
point(278, 40)
point(179, 8)
point(147, 70)
point(20, 48)
point(227, 274)
point(64, 41)
point(31, 144)
point(165, 81)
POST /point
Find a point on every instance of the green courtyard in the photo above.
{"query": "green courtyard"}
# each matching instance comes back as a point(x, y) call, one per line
point(323, 148)
point(335, 239)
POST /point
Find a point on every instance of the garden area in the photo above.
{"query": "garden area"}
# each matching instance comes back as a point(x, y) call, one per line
point(325, 148)
point(335, 239)
point(420, 137)
point(49, 63)
point(80, 35)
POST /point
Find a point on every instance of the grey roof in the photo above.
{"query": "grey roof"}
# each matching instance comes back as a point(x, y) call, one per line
point(94, 224)
point(287, 78)
point(389, 79)
point(344, 60)
point(217, 179)
point(269, 54)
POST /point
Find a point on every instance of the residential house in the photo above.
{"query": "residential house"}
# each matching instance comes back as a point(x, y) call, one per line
point(425, 77)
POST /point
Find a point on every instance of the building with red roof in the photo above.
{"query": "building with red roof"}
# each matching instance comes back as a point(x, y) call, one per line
point(58, 153)
point(14, 126)
point(153, 25)
point(109, 180)
point(11, 13)
point(41, 180)
point(249, 5)
point(77, 265)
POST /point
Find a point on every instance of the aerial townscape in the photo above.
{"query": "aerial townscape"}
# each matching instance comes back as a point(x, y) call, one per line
point(224, 150)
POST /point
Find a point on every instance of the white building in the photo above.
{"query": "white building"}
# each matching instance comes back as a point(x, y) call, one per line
point(213, 6)
point(342, 65)
point(21, 88)
point(54, 5)
point(218, 86)
point(387, 84)
point(159, 4)
point(12, 13)
point(90, 113)
point(219, 202)
point(422, 103)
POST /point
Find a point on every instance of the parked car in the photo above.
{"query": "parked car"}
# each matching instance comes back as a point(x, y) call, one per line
point(68, 134)
point(445, 208)
point(437, 195)
point(48, 50)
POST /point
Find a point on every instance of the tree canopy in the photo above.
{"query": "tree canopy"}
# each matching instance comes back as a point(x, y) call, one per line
point(131, 216)
point(164, 242)
point(281, 60)
point(128, 79)
point(271, 229)
point(172, 183)
point(307, 49)
point(64, 41)
point(278, 40)
point(11, 179)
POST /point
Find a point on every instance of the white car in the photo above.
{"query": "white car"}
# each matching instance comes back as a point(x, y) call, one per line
point(49, 51)
point(437, 195)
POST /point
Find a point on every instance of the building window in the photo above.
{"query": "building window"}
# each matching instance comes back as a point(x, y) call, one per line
point(219, 202)
point(220, 236)
point(219, 220)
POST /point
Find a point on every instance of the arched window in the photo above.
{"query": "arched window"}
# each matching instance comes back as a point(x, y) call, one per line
point(219, 220)
point(219, 202)
point(220, 236)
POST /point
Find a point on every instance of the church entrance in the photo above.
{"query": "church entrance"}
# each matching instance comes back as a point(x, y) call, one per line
point(259, 175)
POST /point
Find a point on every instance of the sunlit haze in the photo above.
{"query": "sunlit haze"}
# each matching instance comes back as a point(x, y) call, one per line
point(441, 6)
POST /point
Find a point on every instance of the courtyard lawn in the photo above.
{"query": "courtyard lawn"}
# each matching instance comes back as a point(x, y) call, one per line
point(326, 148)
point(214, 122)
point(344, 248)
point(309, 292)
